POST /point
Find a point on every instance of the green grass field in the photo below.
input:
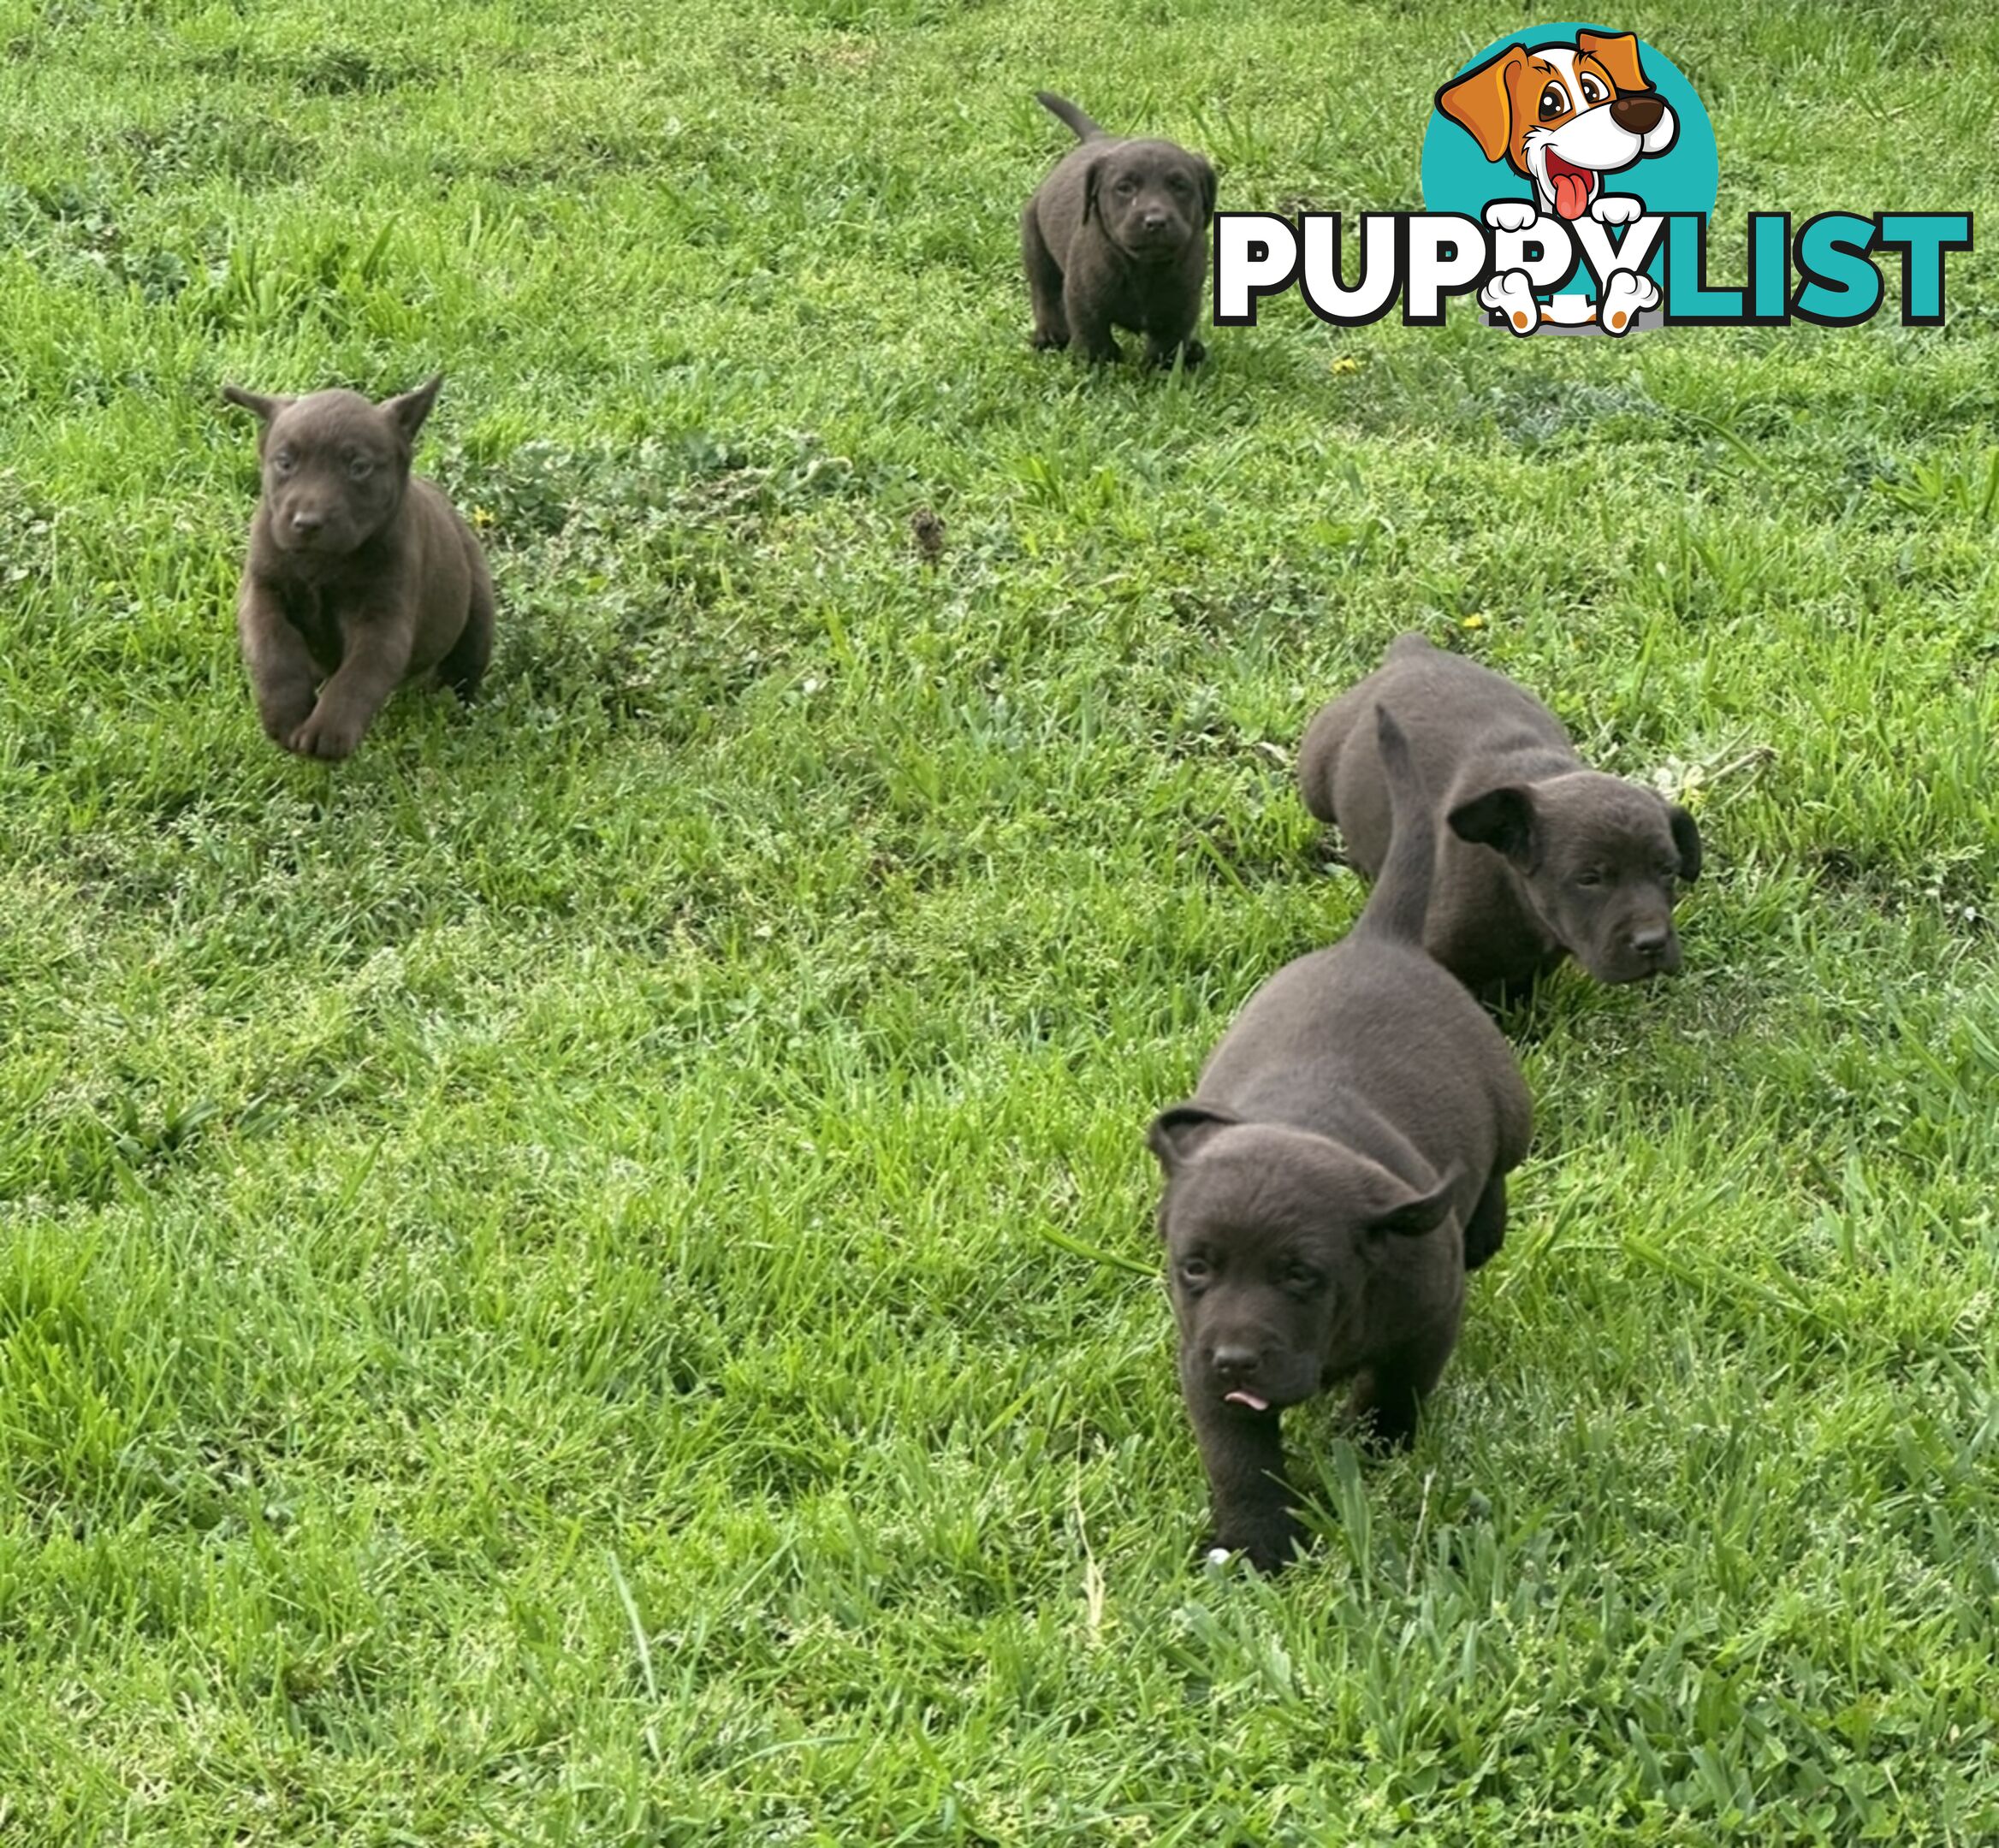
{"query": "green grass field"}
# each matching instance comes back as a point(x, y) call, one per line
point(587, 1276)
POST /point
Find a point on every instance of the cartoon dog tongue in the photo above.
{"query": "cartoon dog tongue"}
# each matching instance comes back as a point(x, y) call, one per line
point(1572, 186)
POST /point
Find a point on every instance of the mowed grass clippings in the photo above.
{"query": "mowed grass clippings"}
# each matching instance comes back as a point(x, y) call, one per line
point(586, 1275)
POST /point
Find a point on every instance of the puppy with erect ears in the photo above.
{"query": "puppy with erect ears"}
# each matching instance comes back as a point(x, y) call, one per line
point(360, 575)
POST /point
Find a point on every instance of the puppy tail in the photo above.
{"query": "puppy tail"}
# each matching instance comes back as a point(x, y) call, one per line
point(1401, 899)
point(1061, 107)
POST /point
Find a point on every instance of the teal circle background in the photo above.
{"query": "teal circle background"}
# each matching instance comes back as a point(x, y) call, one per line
point(1458, 178)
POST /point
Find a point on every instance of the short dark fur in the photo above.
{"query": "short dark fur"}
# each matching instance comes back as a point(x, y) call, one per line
point(1117, 236)
point(1543, 858)
point(360, 575)
point(1340, 1167)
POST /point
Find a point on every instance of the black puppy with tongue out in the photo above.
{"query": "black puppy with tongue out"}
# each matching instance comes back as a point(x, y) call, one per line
point(1341, 1166)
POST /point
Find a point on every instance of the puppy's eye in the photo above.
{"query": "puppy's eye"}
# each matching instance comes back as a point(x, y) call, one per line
point(361, 467)
point(1589, 876)
point(1302, 1280)
point(1593, 92)
point(1128, 184)
point(1196, 1271)
point(1554, 102)
point(284, 462)
point(1181, 183)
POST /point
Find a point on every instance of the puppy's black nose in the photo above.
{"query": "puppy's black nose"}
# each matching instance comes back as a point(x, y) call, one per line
point(1153, 221)
point(304, 521)
point(1639, 114)
point(1234, 1363)
point(1651, 942)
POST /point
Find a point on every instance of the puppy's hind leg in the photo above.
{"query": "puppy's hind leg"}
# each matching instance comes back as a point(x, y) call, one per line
point(465, 666)
point(1044, 284)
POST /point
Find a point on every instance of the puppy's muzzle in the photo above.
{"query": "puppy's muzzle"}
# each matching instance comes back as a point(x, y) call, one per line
point(1637, 115)
point(1154, 232)
point(301, 530)
point(1656, 950)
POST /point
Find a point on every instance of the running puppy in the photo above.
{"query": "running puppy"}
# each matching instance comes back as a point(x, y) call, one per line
point(1341, 1166)
point(1116, 236)
point(360, 575)
point(1543, 858)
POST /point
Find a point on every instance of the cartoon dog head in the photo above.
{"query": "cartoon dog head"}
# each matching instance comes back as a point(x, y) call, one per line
point(1563, 114)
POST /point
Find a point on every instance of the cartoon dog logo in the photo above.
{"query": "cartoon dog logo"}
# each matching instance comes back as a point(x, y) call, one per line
point(1563, 116)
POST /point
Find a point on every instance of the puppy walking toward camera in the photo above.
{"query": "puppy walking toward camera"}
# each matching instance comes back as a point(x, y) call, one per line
point(1341, 1166)
point(1117, 237)
point(360, 575)
point(1540, 858)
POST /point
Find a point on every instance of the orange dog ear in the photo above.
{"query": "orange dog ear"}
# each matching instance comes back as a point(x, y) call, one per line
point(1617, 53)
point(1480, 102)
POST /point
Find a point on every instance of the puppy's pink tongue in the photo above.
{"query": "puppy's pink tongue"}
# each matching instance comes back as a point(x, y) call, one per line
point(1571, 191)
point(1247, 1398)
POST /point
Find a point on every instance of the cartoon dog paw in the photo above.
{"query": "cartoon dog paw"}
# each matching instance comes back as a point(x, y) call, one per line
point(1510, 215)
point(1616, 209)
point(1624, 296)
point(1511, 294)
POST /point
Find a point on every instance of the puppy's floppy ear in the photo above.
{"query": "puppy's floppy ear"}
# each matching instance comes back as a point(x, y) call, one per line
point(1502, 819)
point(1686, 839)
point(1204, 172)
point(1418, 1213)
point(1617, 52)
point(266, 408)
point(1176, 1134)
point(408, 411)
point(1091, 174)
point(1480, 102)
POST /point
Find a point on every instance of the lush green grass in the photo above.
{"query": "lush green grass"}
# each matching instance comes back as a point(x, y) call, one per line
point(544, 1295)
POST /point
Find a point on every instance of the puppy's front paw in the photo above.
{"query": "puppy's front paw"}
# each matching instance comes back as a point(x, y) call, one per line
point(1269, 1545)
point(1616, 209)
point(281, 723)
point(1624, 297)
point(1511, 294)
point(1047, 340)
point(1510, 215)
point(326, 735)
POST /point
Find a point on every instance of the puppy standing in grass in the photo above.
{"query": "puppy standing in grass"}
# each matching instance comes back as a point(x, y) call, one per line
point(1341, 1166)
point(1117, 236)
point(1543, 858)
point(360, 575)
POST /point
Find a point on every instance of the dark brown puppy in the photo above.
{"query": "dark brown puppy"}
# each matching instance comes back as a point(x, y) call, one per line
point(1117, 236)
point(360, 575)
point(1543, 858)
point(1341, 1166)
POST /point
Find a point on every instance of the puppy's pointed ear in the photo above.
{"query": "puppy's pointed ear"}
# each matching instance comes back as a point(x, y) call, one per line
point(1503, 820)
point(266, 408)
point(1686, 839)
point(1204, 171)
point(1480, 102)
point(1617, 52)
point(408, 411)
point(1416, 1213)
point(1178, 1134)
